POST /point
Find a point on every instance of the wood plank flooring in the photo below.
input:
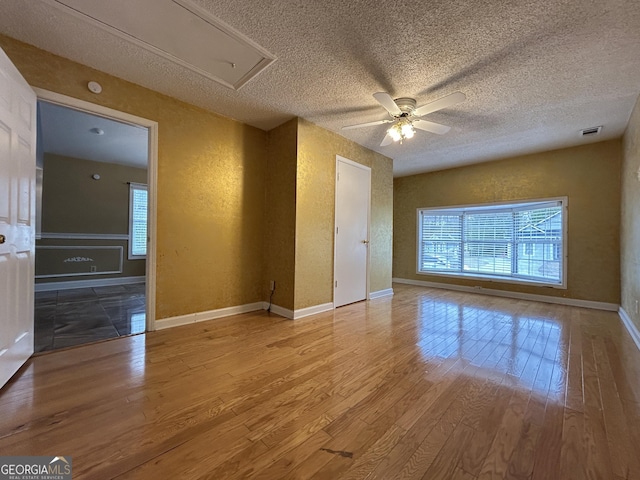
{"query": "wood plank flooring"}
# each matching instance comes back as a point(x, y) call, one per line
point(427, 384)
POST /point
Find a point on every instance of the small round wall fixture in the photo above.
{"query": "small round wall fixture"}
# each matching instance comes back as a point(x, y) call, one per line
point(95, 87)
point(96, 176)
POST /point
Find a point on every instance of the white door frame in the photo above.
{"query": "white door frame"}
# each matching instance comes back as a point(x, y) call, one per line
point(152, 181)
point(335, 224)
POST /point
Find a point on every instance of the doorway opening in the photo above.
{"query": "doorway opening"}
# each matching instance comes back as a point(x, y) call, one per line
point(93, 186)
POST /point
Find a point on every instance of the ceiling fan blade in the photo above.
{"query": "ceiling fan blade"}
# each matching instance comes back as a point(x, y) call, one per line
point(387, 102)
point(444, 102)
point(431, 127)
point(368, 124)
point(387, 140)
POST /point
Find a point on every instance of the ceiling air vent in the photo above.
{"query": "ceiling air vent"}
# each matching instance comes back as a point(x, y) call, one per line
point(590, 132)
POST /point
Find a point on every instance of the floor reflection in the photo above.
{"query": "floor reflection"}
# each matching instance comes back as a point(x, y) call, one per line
point(137, 353)
point(524, 347)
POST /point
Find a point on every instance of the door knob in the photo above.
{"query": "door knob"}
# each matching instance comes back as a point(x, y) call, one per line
point(365, 241)
point(2, 239)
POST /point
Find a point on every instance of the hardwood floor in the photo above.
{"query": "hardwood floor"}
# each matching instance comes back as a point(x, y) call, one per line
point(428, 384)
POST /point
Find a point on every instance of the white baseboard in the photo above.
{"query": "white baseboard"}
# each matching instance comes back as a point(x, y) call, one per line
point(228, 311)
point(97, 282)
point(302, 312)
point(631, 327)
point(278, 310)
point(381, 293)
point(305, 312)
point(208, 315)
point(574, 302)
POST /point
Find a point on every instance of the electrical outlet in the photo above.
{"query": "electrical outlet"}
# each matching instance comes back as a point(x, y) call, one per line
point(272, 285)
point(95, 269)
point(636, 307)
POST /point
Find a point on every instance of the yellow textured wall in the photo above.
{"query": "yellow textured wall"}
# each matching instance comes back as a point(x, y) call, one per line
point(588, 175)
point(280, 230)
point(317, 150)
point(211, 186)
point(630, 228)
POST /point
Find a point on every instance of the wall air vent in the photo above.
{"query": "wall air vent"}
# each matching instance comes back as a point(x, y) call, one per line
point(590, 132)
point(180, 31)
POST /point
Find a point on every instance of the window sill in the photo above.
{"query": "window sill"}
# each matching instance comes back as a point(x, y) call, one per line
point(495, 279)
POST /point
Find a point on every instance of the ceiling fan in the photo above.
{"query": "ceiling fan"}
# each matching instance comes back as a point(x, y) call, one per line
point(406, 117)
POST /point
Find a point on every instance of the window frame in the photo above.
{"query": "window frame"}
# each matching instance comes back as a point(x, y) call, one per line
point(132, 187)
point(498, 207)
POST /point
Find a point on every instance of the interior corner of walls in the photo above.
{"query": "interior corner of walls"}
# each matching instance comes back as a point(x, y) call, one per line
point(278, 310)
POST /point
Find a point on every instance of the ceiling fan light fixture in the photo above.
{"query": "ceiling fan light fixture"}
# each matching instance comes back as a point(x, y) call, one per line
point(401, 130)
point(395, 132)
point(405, 117)
point(407, 130)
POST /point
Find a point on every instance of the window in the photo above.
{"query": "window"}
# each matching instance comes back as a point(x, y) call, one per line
point(137, 221)
point(521, 242)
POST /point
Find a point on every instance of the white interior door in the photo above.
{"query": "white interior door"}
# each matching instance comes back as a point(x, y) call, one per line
point(17, 217)
point(353, 186)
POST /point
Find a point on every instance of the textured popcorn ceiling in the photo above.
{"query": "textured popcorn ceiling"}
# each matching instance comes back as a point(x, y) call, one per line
point(534, 72)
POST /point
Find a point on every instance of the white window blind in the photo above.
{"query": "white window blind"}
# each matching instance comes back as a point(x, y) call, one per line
point(441, 242)
point(517, 241)
point(137, 220)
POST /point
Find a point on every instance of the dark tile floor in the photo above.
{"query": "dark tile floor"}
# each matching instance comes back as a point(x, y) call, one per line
point(64, 318)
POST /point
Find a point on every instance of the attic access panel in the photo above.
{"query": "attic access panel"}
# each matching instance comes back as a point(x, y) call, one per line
point(180, 31)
